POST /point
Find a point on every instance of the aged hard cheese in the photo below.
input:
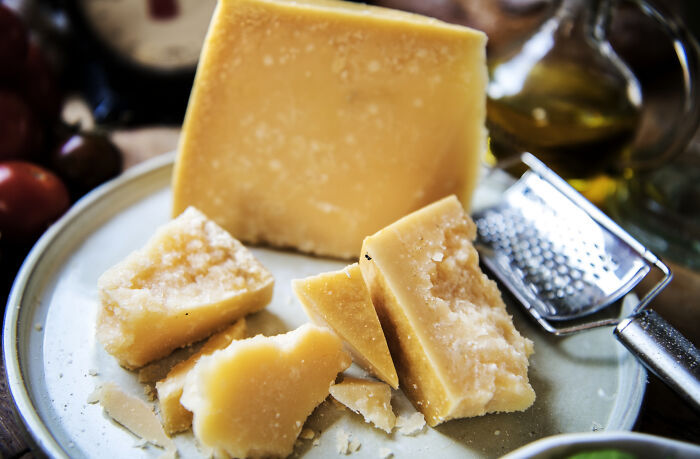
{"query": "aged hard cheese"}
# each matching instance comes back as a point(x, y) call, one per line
point(341, 301)
point(314, 123)
point(372, 399)
point(252, 398)
point(174, 416)
point(454, 345)
point(189, 280)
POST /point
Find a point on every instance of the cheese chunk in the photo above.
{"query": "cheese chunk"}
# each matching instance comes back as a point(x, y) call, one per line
point(454, 345)
point(252, 398)
point(190, 280)
point(175, 417)
point(340, 300)
point(314, 123)
point(371, 399)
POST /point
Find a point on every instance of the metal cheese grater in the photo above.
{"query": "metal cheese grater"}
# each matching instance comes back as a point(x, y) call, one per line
point(565, 261)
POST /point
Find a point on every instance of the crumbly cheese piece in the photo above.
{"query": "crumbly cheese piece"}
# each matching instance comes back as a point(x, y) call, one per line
point(175, 417)
point(314, 123)
point(307, 434)
point(372, 399)
point(342, 442)
point(340, 300)
point(190, 280)
point(252, 398)
point(454, 345)
point(134, 414)
point(410, 424)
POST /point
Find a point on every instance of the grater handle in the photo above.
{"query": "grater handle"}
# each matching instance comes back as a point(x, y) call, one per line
point(664, 351)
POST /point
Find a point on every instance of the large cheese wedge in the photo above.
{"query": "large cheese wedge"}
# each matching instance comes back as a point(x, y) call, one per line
point(340, 300)
point(314, 123)
point(454, 345)
point(252, 398)
point(174, 416)
point(190, 280)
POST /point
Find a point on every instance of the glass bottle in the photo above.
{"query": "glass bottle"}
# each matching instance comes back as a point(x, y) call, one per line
point(565, 96)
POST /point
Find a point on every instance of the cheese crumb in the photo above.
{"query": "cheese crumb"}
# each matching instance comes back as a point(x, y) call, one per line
point(342, 442)
point(307, 434)
point(385, 453)
point(411, 424)
point(354, 445)
point(94, 396)
point(345, 444)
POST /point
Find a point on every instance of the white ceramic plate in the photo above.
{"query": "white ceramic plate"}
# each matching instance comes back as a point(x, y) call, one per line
point(583, 383)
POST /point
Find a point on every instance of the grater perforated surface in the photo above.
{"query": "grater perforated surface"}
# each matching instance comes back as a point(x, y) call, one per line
point(552, 255)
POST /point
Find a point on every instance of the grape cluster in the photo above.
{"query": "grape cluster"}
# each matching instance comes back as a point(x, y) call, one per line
point(44, 165)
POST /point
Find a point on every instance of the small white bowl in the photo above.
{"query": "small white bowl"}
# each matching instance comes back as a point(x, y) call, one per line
point(638, 445)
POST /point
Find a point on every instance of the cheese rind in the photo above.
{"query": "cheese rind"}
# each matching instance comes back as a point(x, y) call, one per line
point(252, 398)
point(304, 112)
point(340, 300)
point(174, 416)
point(371, 399)
point(453, 343)
point(189, 280)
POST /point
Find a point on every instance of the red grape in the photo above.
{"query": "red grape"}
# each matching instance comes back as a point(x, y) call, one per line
point(86, 160)
point(30, 199)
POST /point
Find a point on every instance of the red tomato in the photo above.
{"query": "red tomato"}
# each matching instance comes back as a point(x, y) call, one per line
point(31, 198)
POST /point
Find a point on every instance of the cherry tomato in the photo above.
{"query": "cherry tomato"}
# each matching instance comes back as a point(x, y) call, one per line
point(13, 41)
point(31, 198)
point(86, 160)
point(20, 133)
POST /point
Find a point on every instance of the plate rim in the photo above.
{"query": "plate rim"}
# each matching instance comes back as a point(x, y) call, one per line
point(38, 431)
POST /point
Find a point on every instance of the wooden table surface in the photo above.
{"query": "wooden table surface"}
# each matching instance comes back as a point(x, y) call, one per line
point(663, 413)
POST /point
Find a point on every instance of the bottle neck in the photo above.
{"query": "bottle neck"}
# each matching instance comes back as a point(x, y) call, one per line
point(586, 17)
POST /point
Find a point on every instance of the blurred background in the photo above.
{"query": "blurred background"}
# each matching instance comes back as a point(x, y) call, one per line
point(89, 88)
point(134, 60)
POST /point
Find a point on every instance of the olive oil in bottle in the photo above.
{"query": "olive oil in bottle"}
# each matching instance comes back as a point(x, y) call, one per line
point(565, 97)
